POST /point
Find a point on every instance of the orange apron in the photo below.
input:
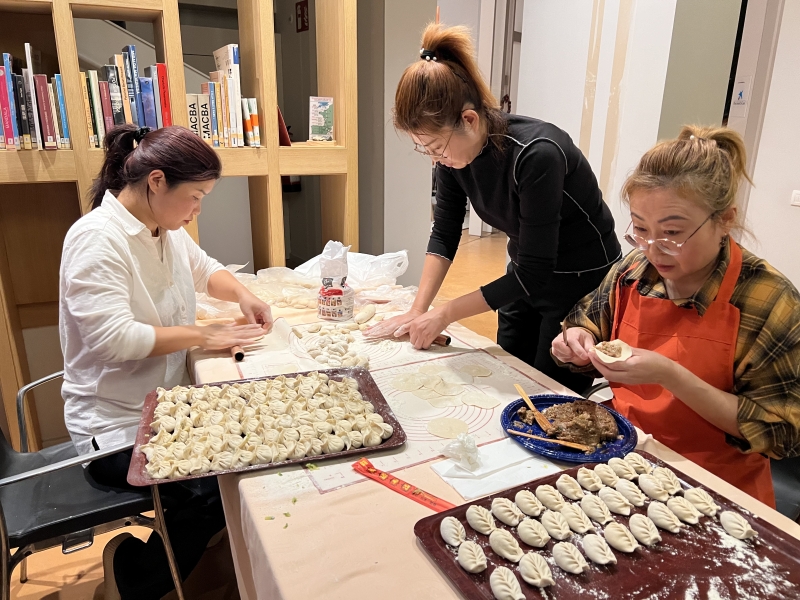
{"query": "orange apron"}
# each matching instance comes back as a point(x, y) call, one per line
point(705, 345)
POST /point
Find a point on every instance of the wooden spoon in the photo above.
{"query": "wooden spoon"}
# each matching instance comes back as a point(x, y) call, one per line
point(551, 440)
point(540, 418)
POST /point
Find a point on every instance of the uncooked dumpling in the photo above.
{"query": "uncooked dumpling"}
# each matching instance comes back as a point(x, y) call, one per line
point(471, 557)
point(533, 533)
point(596, 548)
point(453, 532)
point(576, 518)
point(504, 585)
point(702, 501)
point(569, 487)
point(616, 502)
point(528, 503)
point(595, 509)
point(589, 479)
point(631, 492)
point(613, 351)
point(638, 462)
point(736, 525)
point(569, 558)
point(550, 497)
point(606, 474)
point(653, 488)
point(623, 469)
point(684, 510)
point(620, 537)
point(644, 530)
point(668, 479)
point(504, 544)
point(480, 519)
point(556, 525)
point(505, 510)
point(663, 517)
point(534, 570)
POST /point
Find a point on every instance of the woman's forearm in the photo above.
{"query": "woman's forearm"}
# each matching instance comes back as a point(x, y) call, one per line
point(433, 274)
point(175, 339)
point(465, 306)
point(222, 285)
point(715, 406)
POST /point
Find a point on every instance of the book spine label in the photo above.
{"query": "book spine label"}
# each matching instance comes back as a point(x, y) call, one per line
point(97, 108)
point(131, 88)
point(137, 88)
point(191, 107)
point(152, 73)
point(22, 105)
point(115, 93)
point(163, 87)
point(204, 117)
point(5, 111)
point(148, 102)
point(7, 60)
point(51, 90)
point(45, 118)
point(254, 119)
point(26, 84)
point(87, 106)
point(63, 110)
point(31, 71)
point(105, 103)
point(117, 61)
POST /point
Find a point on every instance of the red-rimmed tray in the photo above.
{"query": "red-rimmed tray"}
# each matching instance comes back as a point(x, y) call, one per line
point(700, 562)
point(137, 474)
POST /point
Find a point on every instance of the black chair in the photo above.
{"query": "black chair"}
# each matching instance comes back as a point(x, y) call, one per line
point(785, 476)
point(47, 499)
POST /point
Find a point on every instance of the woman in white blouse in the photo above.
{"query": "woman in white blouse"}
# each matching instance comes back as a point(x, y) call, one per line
point(129, 273)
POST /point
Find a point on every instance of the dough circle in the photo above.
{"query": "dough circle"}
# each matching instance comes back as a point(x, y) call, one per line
point(448, 389)
point(475, 370)
point(407, 382)
point(480, 400)
point(447, 427)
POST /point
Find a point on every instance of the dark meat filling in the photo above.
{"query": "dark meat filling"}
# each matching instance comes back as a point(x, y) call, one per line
point(583, 422)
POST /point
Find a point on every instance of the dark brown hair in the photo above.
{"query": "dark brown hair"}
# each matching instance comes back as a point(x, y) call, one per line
point(435, 90)
point(176, 151)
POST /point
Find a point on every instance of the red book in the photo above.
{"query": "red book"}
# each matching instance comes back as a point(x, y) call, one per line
point(5, 112)
point(45, 114)
point(163, 88)
point(105, 102)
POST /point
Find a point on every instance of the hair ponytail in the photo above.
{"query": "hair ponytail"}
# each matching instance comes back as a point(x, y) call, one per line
point(434, 91)
point(176, 151)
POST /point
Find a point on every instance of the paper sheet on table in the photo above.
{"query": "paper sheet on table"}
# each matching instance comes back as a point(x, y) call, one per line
point(504, 464)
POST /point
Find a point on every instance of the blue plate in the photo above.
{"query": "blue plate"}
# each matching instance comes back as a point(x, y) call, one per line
point(618, 448)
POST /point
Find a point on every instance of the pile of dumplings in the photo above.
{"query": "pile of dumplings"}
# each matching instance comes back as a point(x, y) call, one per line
point(331, 347)
point(217, 428)
point(581, 505)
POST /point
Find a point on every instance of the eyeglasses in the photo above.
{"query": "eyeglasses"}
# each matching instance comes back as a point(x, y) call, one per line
point(422, 149)
point(664, 245)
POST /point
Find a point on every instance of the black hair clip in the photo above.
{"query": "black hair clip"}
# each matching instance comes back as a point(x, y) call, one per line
point(139, 134)
point(427, 54)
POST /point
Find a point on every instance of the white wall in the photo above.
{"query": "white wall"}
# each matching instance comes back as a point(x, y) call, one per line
point(774, 222)
point(461, 12)
point(407, 175)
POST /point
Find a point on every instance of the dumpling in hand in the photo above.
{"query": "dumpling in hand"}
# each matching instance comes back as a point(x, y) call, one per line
point(595, 509)
point(569, 487)
point(684, 510)
point(556, 525)
point(622, 469)
point(569, 558)
point(504, 544)
point(668, 479)
point(663, 517)
point(453, 532)
point(596, 548)
point(736, 525)
point(504, 585)
point(616, 502)
point(702, 501)
point(653, 488)
point(528, 503)
point(505, 510)
point(471, 557)
point(533, 533)
point(606, 474)
point(638, 462)
point(620, 537)
point(534, 570)
point(589, 479)
point(480, 519)
point(631, 492)
point(550, 497)
point(576, 518)
point(644, 530)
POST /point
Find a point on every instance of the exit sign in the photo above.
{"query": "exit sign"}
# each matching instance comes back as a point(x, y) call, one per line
point(301, 15)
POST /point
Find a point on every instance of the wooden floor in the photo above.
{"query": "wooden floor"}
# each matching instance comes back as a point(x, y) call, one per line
point(79, 576)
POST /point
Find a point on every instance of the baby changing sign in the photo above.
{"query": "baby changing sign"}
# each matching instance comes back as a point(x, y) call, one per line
point(740, 98)
point(335, 299)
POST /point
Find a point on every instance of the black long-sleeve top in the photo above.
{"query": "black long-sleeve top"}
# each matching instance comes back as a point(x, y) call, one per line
point(540, 190)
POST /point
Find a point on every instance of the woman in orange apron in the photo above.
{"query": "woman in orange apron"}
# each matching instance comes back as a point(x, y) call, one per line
point(715, 330)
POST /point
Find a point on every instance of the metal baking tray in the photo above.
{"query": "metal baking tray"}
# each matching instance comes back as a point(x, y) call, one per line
point(137, 474)
point(701, 561)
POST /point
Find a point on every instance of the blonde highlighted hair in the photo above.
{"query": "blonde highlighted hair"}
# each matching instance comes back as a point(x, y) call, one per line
point(706, 164)
point(434, 90)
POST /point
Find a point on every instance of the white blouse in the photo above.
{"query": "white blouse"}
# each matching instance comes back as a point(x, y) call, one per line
point(115, 289)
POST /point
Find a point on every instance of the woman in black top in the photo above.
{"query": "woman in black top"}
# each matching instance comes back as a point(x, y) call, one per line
point(524, 177)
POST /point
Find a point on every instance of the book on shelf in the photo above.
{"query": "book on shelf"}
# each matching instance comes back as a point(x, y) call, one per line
point(320, 119)
point(223, 113)
point(163, 89)
point(191, 109)
point(230, 88)
point(54, 115)
point(137, 88)
point(22, 112)
point(49, 140)
point(122, 81)
point(152, 73)
point(126, 60)
point(12, 131)
point(220, 120)
point(249, 140)
point(61, 105)
point(209, 88)
point(33, 62)
point(204, 118)
point(97, 107)
point(148, 102)
point(105, 105)
point(5, 112)
point(111, 76)
point(87, 107)
point(30, 97)
point(253, 106)
point(226, 60)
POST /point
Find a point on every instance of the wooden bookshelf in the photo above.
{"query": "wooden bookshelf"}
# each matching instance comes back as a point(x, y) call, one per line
point(50, 188)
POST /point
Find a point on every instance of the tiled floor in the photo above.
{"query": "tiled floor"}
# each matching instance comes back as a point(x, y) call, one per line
point(79, 576)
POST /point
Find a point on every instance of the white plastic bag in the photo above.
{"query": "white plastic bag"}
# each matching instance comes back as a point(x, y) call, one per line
point(336, 298)
point(464, 452)
point(364, 270)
